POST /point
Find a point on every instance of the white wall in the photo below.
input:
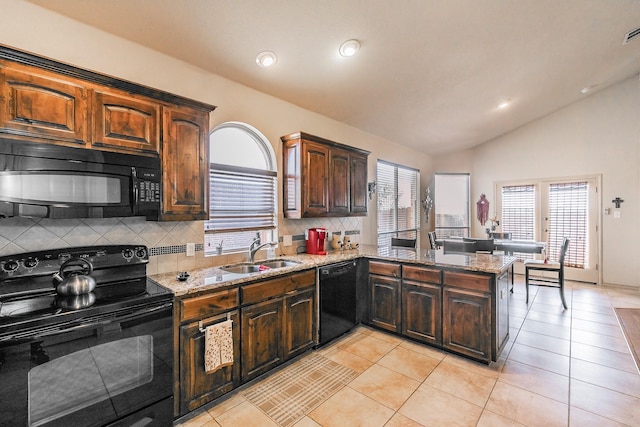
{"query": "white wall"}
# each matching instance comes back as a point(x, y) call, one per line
point(37, 30)
point(599, 135)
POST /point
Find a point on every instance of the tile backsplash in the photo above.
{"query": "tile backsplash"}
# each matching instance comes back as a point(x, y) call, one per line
point(166, 240)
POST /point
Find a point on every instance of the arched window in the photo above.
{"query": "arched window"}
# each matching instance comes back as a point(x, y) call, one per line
point(242, 189)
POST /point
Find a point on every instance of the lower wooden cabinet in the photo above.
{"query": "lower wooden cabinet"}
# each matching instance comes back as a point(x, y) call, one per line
point(384, 287)
point(198, 387)
point(466, 322)
point(193, 386)
point(421, 311)
point(300, 322)
point(262, 337)
point(278, 321)
point(463, 312)
point(422, 304)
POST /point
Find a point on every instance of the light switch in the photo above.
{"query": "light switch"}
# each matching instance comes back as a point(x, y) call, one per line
point(287, 240)
point(191, 249)
point(616, 214)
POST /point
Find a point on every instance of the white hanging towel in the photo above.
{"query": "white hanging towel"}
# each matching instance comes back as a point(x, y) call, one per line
point(218, 346)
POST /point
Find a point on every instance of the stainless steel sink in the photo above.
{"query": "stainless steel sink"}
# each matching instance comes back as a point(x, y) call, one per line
point(258, 267)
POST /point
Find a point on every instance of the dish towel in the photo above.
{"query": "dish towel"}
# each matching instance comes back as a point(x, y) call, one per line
point(218, 346)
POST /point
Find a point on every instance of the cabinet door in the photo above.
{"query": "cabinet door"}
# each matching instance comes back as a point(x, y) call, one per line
point(262, 337)
point(301, 327)
point(339, 182)
point(359, 193)
point(36, 105)
point(185, 168)
point(421, 311)
point(198, 387)
point(385, 302)
point(466, 322)
point(315, 184)
point(125, 124)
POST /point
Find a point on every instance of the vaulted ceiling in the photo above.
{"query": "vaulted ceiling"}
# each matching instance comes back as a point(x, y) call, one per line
point(429, 74)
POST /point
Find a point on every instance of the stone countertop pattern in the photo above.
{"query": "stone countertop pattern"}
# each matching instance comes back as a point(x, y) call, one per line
point(214, 278)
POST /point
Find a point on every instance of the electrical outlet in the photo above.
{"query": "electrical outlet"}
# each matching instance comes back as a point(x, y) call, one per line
point(287, 240)
point(191, 249)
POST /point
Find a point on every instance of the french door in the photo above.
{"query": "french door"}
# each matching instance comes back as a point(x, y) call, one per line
point(548, 211)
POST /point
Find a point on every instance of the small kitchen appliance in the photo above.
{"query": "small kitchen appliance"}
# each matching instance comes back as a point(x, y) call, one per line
point(315, 241)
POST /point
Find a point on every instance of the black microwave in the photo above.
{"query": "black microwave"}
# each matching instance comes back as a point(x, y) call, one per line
point(52, 181)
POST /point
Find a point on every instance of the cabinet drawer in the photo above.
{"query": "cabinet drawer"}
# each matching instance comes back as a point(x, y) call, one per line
point(422, 274)
point(277, 287)
point(468, 281)
point(384, 268)
point(197, 308)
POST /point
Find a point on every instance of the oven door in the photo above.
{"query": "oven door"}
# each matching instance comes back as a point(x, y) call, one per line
point(114, 369)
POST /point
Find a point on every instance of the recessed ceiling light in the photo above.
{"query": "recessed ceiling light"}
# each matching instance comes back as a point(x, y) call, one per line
point(349, 48)
point(266, 59)
point(503, 105)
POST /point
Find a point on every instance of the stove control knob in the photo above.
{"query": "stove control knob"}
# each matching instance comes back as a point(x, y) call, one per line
point(127, 254)
point(141, 253)
point(30, 262)
point(10, 266)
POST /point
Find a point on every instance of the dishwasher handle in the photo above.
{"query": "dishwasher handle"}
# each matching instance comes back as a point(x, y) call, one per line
point(337, 269)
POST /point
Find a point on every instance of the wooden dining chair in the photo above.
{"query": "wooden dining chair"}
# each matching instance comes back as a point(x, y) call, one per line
point(555, 279)
point(404, 243)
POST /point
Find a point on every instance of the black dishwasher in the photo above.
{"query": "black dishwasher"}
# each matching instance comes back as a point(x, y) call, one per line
point(337, 300)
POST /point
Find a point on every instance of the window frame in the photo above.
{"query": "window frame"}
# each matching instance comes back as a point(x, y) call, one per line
point(215, 234)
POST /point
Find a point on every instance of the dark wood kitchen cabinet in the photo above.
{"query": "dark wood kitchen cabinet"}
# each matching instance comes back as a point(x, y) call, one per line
point(422, 304)
point(185, 164)
point(193, 386)
point(36, 105)
point(384, 288)
point(278, 321)
point(45, 101)
point(124, 123)
point(323, 178)
point(459, 311)
point(466, 314)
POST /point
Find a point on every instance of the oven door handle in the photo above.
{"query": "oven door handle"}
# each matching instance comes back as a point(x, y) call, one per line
point(84, 323)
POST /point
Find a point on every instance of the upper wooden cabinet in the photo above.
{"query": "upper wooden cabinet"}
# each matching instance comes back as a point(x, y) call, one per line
point(50, 102)
point(185, 167)
point(322, 178)
point(125, 123)
point(37, 105)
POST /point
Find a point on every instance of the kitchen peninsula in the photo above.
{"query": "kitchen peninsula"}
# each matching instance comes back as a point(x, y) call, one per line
point(456, 302)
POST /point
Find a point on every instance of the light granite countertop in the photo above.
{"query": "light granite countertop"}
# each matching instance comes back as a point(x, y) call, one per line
point(214, 278)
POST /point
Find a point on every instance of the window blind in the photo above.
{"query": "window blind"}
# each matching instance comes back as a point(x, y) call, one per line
point(568, 216)
point(241, 199)
point(519, 211)
point(398, 209)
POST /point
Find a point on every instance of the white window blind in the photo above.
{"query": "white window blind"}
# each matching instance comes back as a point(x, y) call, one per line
point(568, 217)
point(398, 209)
point(452, 204)
point(519, 211)
point(241, 199)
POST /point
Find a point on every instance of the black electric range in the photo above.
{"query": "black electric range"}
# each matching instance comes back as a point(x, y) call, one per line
point(44, 335)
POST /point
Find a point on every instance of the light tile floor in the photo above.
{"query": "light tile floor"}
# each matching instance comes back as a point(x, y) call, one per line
point(560, 368)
